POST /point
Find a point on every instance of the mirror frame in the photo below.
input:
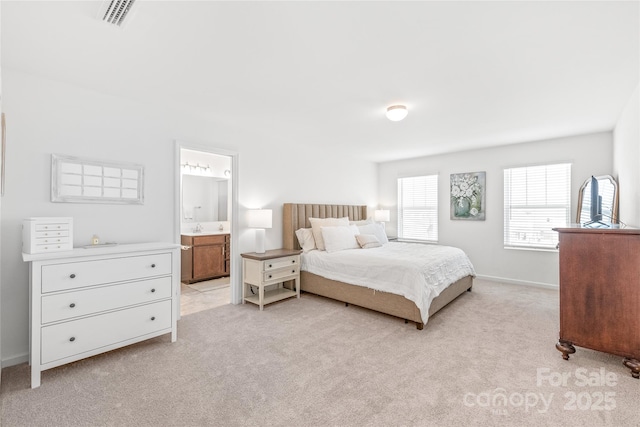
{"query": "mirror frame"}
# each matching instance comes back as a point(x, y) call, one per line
point(614, 208)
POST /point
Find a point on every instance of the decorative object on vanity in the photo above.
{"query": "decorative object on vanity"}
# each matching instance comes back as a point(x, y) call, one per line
point(600, 292)
point(88, 302)
point(259, 219)
point(273, 267)
point(47, 234)
point(205, 257)
point(468, 195)
point(606, 188)
point(78, 180)
point(395, 113)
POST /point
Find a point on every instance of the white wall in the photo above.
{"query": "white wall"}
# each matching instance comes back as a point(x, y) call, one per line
point(46, 117)
point(483, 240)
point(626, 160)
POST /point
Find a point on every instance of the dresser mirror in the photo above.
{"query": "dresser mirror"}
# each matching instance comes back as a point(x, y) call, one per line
point(608, 190)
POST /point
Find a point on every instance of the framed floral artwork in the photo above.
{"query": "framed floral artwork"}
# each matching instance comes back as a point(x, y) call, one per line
point(468, 196)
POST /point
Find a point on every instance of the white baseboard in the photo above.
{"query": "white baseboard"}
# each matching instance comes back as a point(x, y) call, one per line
point(16, 360)
point(519, 282)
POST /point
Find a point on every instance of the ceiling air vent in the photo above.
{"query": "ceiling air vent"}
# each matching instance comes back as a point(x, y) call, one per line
point(115, 11)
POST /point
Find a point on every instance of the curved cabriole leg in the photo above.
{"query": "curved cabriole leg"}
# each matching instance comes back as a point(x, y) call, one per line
point(634, 365)
point(419, 325)
point(566, 347)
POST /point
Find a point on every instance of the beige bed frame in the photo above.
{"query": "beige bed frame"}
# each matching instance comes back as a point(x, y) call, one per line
point(296, 216)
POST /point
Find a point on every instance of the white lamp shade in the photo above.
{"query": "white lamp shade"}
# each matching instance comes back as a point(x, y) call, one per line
point(259, 218)
point(381, 215)
point(395, 113)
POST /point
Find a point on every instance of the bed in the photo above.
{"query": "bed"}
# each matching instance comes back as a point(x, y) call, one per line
point(296, 216)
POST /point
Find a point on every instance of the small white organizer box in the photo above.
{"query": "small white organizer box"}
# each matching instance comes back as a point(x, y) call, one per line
point(42, 234)
point(88, 301)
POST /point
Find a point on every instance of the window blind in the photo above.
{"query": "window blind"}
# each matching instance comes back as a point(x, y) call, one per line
point(536, 199)
point(418, 208)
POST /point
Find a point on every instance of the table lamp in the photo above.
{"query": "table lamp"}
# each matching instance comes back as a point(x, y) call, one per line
point(259, 219)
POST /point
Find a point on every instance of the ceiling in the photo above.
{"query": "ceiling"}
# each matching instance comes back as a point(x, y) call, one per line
point(473, 74)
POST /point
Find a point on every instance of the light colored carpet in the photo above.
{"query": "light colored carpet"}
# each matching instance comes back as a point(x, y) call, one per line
point(315, 362)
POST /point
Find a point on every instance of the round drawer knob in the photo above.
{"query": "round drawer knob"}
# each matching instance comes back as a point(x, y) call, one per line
point(153, 317)
point(293, 271)
point(72, 339)
point(293, 261)
point(73, 276)
point(153, 290)
point(73, 304)
point(270, 265)
point(269, 276)
point(153, 266)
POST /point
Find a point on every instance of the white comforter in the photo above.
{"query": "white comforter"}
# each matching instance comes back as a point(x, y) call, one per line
point(417, 272)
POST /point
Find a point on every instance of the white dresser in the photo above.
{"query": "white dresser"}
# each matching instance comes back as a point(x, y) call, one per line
point(88, 301)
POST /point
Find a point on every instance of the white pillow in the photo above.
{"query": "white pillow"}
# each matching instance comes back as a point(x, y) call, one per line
point(376, 229)
point(316, 223)
point(368, 241)
point(306, 240)
point(340, 238)
point(361, 222)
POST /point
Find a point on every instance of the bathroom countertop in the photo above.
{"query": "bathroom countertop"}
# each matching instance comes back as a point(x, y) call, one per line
point(205, 233)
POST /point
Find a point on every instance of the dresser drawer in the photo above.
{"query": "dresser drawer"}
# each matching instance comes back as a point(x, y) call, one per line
point(51, 247)
point(51, 226)
point(280, 275)
point(274, 264)
point(49, 234)
point(58, 277)
point(91, 333)
point(67, 305)
point(52, 240)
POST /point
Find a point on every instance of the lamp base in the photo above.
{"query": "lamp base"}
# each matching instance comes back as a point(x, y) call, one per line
point(260, 240)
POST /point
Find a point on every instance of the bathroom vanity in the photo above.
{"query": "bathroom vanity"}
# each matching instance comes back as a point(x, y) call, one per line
point(204, 256)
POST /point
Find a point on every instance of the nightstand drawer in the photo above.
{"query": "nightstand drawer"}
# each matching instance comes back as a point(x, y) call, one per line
point(280, 274)
point(95, 300)
point(59, 277)
point(91, 333)
point(276, 263)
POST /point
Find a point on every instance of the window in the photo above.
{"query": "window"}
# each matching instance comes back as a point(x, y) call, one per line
point(536, 199)
point(418, 208)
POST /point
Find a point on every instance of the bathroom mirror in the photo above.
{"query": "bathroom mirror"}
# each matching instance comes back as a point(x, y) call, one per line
point(204, 199)
point(608, 190)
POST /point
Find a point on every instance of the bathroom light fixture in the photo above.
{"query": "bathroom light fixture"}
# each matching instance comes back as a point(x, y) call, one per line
point(259, 219)
point(395, 113)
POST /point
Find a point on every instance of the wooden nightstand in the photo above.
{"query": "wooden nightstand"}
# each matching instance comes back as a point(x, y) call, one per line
point(270, 268)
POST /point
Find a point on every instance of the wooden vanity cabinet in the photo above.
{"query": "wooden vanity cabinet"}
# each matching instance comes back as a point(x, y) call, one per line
point(207, 257)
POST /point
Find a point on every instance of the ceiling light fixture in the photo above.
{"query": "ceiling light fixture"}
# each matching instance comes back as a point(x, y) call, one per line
point(395, 113)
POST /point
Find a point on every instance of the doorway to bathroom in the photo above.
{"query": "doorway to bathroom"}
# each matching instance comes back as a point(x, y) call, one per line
point(205, 212)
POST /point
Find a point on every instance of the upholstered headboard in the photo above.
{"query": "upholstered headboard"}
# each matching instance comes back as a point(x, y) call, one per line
point(296, 216)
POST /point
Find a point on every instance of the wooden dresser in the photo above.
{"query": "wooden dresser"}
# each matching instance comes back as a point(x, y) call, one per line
point(600, 292)
point(88, 301)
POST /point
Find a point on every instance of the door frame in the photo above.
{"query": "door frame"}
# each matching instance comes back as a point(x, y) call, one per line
point(235, 288)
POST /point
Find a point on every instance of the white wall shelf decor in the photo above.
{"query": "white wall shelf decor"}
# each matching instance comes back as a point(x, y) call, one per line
point(78, 180)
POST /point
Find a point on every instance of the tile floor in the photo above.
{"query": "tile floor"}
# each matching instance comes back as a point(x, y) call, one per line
point(201, 296)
